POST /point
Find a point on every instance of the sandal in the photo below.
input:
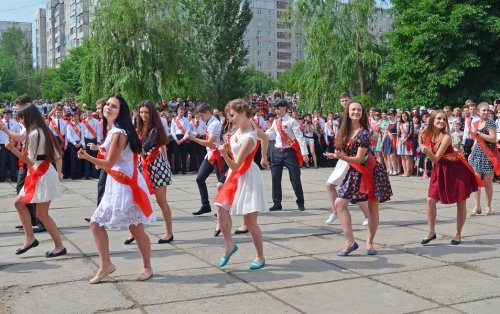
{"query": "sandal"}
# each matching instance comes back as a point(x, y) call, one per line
point(475, 211)
point(489, 212)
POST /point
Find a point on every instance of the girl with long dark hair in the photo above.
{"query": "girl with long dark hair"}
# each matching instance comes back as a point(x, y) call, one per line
point(126, 202)
point(41, 185)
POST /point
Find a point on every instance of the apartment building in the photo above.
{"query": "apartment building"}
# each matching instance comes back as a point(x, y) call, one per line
point(76, 22)
point(24, 27)
point(41, 38)
point(272, 46)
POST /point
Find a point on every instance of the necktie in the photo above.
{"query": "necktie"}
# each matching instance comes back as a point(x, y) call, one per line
point(58, 126)
point(8, 125)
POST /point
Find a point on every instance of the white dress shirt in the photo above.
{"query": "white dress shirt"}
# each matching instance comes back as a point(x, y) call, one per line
point(72, 137)
point(292, 129)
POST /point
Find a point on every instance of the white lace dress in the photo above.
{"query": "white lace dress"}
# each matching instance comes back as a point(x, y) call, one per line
point(49, 187)
point(251, 195)
point(117, 209)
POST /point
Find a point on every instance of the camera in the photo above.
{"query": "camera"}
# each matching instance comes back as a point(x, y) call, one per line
point(497, 101)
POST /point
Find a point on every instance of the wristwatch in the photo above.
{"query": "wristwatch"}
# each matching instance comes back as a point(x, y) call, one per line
point(478, 132)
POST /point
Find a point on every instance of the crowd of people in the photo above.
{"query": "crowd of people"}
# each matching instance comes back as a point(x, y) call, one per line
point(134, 154)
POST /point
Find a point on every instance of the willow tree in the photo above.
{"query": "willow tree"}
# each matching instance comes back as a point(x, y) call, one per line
point(216, 30)
point(134, 49)
point(342, 53)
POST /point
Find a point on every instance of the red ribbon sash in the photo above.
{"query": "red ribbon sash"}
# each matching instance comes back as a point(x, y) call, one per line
point(216, 155)
point(491, 154)
point(228, 190)
point(32, 179)
point(75, 128)
point(179, 125)
point(58, 132)
point(195, 123)
point(256, 122)
point(140, 197)
point(90, 128)
point(146, 161)
point(367, 185)
point(293, 144)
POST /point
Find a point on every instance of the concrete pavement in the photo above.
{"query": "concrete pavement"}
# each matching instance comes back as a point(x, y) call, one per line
point(302, 273)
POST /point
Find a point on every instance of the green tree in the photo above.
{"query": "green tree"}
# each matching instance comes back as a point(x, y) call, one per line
point(444, 52)
point(256, 81)
point(216, 30)
point(341, 52)
point(289, 80)
point(135, 49)
point(15, 62)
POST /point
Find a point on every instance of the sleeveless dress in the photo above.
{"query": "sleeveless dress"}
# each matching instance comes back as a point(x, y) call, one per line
point(159, 170)
point(450, 181)
point(350, 187)
point(251, 195)
point(117, 209)
point(477, 158)
point(382, 127)
point(387, 143)
point(402, 146)
point(49, 187)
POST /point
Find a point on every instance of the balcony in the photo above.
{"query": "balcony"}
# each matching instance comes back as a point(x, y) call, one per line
point(284, 55)
point(284, 65)
point(283, 45)
point(284, 35)
point(281, 25)
point(281, 5)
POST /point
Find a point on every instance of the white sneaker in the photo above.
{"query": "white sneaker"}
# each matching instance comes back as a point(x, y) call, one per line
point(331, 219)
point(365, 222)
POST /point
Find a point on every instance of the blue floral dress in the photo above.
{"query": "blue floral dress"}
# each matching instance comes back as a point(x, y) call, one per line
point(350, 187)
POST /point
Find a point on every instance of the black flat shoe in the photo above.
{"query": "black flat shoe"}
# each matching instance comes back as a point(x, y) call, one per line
point(39, 228)
point(128, 241)
point(238, 231)
point(275, 207)
point(217, 232)
point(50, 254)
point(426, 241)
point(302, 208)
point(161, 241)
point(203, 210)
point(86, 219)
point(20, 227)
point(455, 242)
point(26, 249)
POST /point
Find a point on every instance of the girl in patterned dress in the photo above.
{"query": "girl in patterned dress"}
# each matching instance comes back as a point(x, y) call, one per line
point(159, 175)
point(126, 202)
point(484, 130)
point(405, 145)
point(366, 179)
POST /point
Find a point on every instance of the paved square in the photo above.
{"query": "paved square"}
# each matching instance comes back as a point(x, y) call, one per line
point(303, 273)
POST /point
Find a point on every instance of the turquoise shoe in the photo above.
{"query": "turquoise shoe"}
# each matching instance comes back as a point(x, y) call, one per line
point(258, 265)
point(224, 259)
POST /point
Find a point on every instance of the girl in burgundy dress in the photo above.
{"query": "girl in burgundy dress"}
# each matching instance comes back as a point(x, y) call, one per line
point(452, 179)
point(366, 179)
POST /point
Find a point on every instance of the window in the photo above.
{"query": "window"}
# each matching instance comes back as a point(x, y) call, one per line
point(269, 65)
point(259, 11)
point(269, 54)
point(269, 23)
point(259, 22)
point(259, 33)
point(259, 64)
point(259, 53)
point(269, 44)
point(270, 73)
point(269, 33)
point(259, 43)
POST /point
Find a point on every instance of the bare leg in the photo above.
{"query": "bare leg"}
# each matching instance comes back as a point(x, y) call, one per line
point(364, 208)
point(345, 221)
point(372, 223)
point(313, 153)
point(250, 220)
point(102, 243)
point(144, 245)
point(225, 224)
point(332, 195)
point(394, 162)
point(403, 163)
point(25, 218)
point(42, 213)
point(477, 199)
point(488, 180)
point(431, 217)
point(161, 199)
point(461, 216)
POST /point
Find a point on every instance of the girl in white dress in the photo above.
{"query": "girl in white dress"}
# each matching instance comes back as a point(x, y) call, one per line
point(126, 202)
point(41, 185)
point(243, 193)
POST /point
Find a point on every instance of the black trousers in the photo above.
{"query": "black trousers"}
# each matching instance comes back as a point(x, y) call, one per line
point(101, 185)
point(21, 175)
point(7, 158)
point(75, 164)
point(195, 155)
point(287, 158)
point(180, 155)
point(205, 170)
point(89, 169)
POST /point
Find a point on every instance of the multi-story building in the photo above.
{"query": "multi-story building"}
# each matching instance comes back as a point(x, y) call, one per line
point(76, 22)
point(24, 27)
point(41, 38)
point(272, 46)
point(56, 45)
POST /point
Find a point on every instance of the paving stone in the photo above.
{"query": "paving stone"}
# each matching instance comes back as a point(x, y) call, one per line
point(443, 251)
point(481, 306)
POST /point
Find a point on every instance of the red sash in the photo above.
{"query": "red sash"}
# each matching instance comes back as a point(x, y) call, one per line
point(409, 144)
point(195, 123)
point(179, 125)
point(90, 128)
point(20, 162)
point(491, 154)
point(58, 132)
point(293, 144)
point(330, 128)
point(256, 122)
point(216, 155)
point(367, 185)
point(228, 190)
point(75, 128)
point(139, 196)
point(32, 180)
point(456, 156)
point(146, 161)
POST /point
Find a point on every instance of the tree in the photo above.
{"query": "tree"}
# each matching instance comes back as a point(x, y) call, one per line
point(444, 52)
point(135, 49)
point(289, 80)
point(15, 62)
point(216, 30)
point(341, 52)
point(256, 81)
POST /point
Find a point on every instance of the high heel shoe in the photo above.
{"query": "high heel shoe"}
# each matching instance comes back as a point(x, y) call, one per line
point(98, 278)
point(26, 249)
point(225, 259)
point(352, 248)
point(426, 241)
point(129, 241)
